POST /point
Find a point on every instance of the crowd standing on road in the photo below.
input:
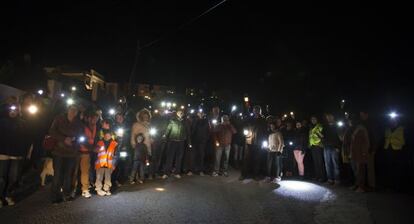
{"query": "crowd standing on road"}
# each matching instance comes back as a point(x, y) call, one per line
point(102, 151)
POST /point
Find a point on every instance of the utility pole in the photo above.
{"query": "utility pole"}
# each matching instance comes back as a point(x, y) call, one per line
point(134, 68)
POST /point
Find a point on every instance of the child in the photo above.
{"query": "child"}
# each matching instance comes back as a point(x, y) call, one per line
point(140, 159)
point(104, 163)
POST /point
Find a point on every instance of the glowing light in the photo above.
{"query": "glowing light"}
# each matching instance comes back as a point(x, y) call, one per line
point(192, 111)
point(393, 115)
point(246, 132)
point(169, 104)
point(182, 107)
point(251, 114)
point(246, 99)
point(150, 107)
point(120, 132)
point(112, 111)
point(153, 131)
point(147, 163)
point(174, 104)
point(241, 114)
point(166, 112)
point(70, 101)
point(265, 144)
point(81, 138)
point(303, 191)
point(217, 144)
point(156, 111)
point(233, 108)
point(285, 115)
point(123, 154)
point(73, 88)
point(340, 123)
point(13, 107)
point(214, 121)
point(40, 92)
point(163, 104)
point(290, 143)
point(200, 110)
point(62, 95)
point(291, 113)
point(32, 109)
point(189, 105)
point(160, 189)
point(343, 101)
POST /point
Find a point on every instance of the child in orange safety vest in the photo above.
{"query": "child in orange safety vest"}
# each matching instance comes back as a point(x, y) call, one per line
point(104, 163)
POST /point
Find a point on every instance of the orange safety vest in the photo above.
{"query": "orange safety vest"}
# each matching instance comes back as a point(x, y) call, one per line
point(90, 136)
point(105, 156)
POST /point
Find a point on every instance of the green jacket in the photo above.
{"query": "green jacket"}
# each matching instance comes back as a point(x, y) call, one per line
point(176, 130)
point(315, 134)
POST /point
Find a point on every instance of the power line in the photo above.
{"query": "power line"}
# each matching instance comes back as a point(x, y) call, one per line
point(139, 48)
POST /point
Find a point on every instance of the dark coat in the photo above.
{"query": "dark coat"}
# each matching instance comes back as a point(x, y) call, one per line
point(14, 137)
point(62, 128)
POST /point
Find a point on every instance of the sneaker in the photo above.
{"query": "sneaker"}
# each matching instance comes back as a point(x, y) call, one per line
point(108, 193)
point(277, 180)
point(165, 176)
point(118, 184)
point(267, 180)
point(202, 174)
point(177, 176)
point(10, 201)
point(140, 182)
point(132, 182)
point(225, 174)
point(101, 192)
point(215, 174)
point(86, 194)
point(190, 174)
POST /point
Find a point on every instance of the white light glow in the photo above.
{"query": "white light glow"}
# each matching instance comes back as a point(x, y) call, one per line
point(13, 107)
point(112, 111)
point(265, 144)
point(32, 109)
point(81, 138)
point(245, 132)
point(73, 88)
point(120, 132)
point(40, 92)
point(393, 115)
point(123, 154)
point(153, 131)
point(214, 121)
point(340, 123)
point(70, 101)
point(233, 108)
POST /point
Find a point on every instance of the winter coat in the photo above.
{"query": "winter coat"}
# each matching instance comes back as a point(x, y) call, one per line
point(257, 128)
point(140, 152)
point(62, 128)
point(299, 141)
point(224, 134)
point(200, 130)
point(331, 137)
point(276, 142)
point(141, 127)
point(176, 130)
point(13, 137)
point(360, 144)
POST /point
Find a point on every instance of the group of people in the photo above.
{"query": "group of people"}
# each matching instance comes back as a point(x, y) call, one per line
point(91, 152)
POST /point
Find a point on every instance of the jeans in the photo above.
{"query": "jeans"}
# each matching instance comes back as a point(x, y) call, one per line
point(9, 176)
point(219, 153)
point(318, 162)
point(274, 159)
point(64, 168)
point(137, 167)
point(175, 151)
point(158, 150)
point(238, 153)
point(331, 156)
point(299, 156)
point(102, 173)
point(199, 156)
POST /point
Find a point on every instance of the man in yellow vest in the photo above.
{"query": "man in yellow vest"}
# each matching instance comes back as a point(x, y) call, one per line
point(396, 156)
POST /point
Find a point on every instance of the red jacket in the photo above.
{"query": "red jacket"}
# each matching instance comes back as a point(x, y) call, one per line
point(224, 134)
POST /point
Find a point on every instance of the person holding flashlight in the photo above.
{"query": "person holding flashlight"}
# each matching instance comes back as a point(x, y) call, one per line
point(12, 152)
point(224, 133)
point(332, 145)
point(274, 155)
point(121, 162)
point(176, 135)
point(65, 129)
point(87, 147)
point(255, 132)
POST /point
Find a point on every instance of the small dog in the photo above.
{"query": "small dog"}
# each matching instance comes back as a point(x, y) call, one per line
point(47, 170)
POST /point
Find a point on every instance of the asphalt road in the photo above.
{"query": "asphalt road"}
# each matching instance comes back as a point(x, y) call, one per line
point(211, 200)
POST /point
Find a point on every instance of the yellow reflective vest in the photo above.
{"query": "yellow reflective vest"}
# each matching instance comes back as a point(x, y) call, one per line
point(395, 139)
point(314, 136)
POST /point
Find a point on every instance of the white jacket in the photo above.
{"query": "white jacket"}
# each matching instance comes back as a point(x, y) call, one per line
point(276, 142)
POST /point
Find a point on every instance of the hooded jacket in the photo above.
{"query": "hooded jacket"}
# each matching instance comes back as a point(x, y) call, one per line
point(141, 127)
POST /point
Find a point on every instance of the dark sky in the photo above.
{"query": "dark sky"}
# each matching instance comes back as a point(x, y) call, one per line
point(292, 51)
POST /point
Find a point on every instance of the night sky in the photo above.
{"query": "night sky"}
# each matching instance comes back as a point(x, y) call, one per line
point(291, 53)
